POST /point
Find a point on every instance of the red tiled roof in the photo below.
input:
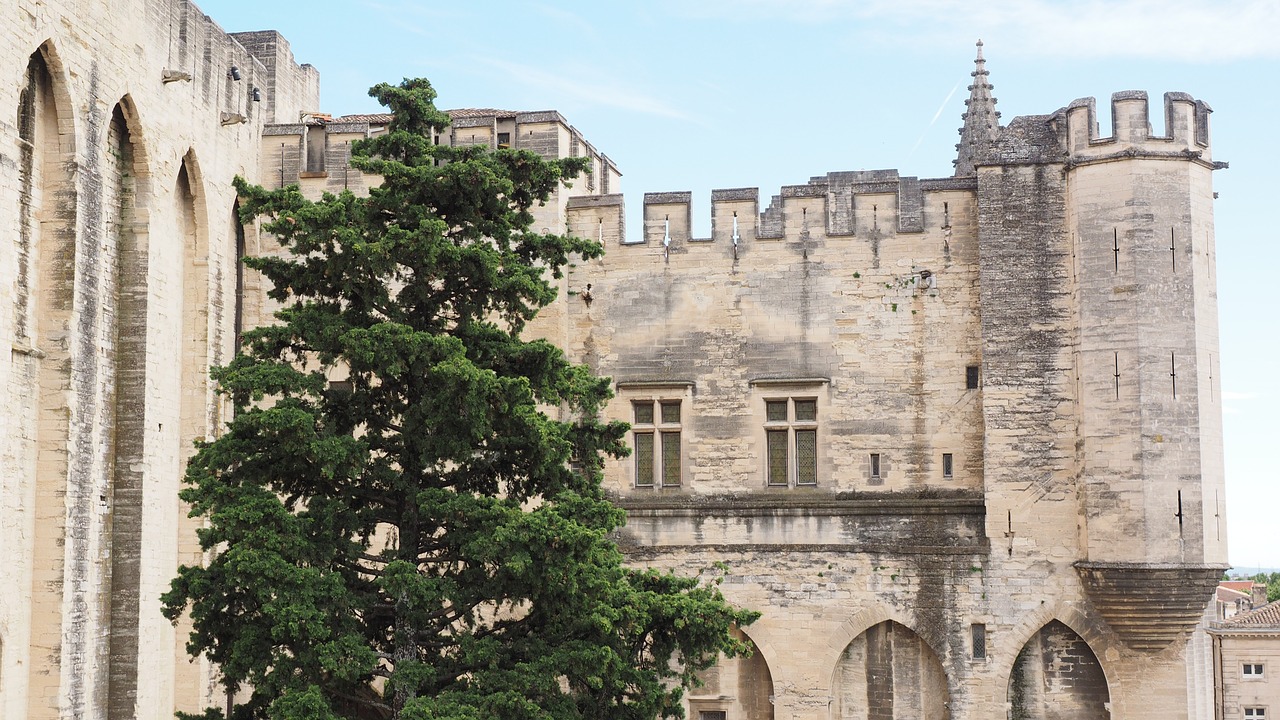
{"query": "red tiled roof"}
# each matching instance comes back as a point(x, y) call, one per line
point(1226, 594)
point(1244, 586)
point(1268, 614)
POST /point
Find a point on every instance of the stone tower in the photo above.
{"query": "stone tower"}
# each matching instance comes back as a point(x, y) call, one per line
point(1101, 401)
point(1151, 475)
point(1100, 327)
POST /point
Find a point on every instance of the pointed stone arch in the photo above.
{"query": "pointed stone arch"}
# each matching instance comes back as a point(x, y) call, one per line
point(197, 411)
point(239, 251)
point(44, 337)
point(867, 617)
point(741, 687)
point(1104, 645)
point(137, 170)
point(126, 196)
point(888, 672)
point(192, 231)
point(1057, 676)
point(192, 215)
point(47, 193)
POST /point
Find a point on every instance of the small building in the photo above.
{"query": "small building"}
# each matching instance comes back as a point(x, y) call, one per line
point(1230, 600)
point(1246, 660)
point(1256, 591)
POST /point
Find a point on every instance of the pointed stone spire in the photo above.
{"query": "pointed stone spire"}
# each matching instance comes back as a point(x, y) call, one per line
point(981, 121)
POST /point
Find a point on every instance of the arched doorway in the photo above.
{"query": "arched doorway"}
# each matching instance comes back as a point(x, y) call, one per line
point(1056, 676)
point(740, 687)
point(889, 673)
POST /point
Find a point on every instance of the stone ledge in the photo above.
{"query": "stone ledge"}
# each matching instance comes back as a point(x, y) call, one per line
point(637, 551)
point(806, 521)
point(795, 502)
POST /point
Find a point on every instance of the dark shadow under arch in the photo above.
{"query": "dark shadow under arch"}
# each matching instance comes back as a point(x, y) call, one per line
point(889, 673)
point(124, 173)
point(741, 687)
point(1057, 676)
point(240, 252)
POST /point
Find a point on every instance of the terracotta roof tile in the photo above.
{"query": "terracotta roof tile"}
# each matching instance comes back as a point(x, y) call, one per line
point(1244, 586)
point(1226, 594)
point(1268, 614)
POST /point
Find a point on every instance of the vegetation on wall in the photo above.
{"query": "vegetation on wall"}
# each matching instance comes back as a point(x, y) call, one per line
point(419, 539)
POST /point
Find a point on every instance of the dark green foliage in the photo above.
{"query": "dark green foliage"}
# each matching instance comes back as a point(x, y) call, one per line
point(415, 544)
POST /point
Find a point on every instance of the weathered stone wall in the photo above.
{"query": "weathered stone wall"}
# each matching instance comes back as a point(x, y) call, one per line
point(868, 297)
point(122, 131)
point(876, 325)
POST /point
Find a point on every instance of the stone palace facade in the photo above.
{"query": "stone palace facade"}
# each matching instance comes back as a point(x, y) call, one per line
point(958, 439)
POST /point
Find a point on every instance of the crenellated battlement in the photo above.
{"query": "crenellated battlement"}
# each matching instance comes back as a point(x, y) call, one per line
point(1186, 129)
point(868, 204)
point(599, 217)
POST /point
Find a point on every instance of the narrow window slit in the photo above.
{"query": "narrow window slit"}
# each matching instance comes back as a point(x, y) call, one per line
point(735, 235)
point(1173, 374)
point(1211, 377)
point(1117, 375)
point(1115, 247)
point(666, 239)
point(1173, 253)
point(1179, 515)
point(1009, 533)
point(1217, 514)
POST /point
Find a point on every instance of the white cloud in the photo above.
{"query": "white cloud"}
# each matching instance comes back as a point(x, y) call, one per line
point(1185, 30)
point(1229, 395)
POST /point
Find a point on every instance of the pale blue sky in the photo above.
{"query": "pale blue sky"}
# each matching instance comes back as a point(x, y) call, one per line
point(702, 94)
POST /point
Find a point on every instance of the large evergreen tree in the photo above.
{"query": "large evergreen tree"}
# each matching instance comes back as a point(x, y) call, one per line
point(423, 541)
